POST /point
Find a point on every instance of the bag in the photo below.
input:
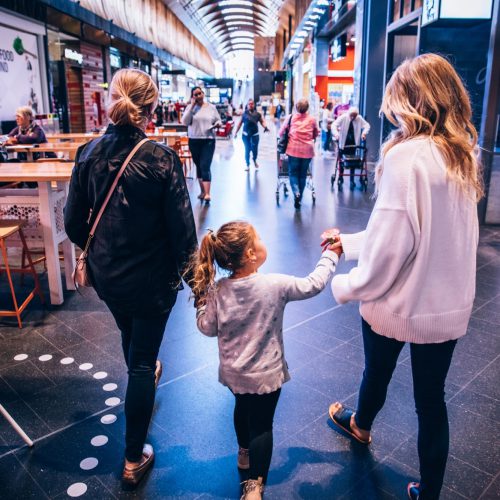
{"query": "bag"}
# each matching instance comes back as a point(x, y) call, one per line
point(81, 274)
point(283, 140)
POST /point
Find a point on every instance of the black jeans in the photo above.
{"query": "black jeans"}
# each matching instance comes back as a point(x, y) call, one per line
point(141, 340)
point(253, 422)
point(430, 364)
point(202, 151)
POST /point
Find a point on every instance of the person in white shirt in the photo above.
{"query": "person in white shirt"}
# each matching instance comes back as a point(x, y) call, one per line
point(349, 130)
point(202, 118)
point(416, 271)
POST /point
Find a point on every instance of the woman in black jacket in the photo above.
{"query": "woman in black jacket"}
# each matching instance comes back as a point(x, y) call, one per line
point(140, 247)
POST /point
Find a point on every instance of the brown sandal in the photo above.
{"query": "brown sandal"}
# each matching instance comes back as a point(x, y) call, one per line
point(131, 476)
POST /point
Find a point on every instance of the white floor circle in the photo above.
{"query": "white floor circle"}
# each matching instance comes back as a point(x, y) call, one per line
point(112, 401)
point(100, 375)
point(89, 463)
point(21, 357)
point(77, 489)
point(109, 387)
point(86, 366)
point(99, 440)
point(108, 419)
point(45, 357)
point(66, 361)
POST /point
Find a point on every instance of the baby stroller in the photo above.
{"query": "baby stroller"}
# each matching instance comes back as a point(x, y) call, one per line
point(351, 158)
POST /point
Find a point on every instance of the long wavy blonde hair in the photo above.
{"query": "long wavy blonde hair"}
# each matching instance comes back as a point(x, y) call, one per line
point(225, 248)
point(426, 97)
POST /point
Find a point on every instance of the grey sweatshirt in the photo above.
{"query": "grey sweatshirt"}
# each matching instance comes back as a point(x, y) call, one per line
point(246, 315)
point(200, 120)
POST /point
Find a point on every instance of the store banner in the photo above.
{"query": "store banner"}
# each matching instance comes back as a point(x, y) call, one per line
point(19, 73)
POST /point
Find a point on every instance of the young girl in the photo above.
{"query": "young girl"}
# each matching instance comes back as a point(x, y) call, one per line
point(245, 312)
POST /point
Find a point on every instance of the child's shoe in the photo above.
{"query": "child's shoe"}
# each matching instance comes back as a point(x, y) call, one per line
point(253, 489)
point(243, 459)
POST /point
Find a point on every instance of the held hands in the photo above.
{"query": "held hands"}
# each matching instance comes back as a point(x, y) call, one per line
point(331, 241)
point(363, 137)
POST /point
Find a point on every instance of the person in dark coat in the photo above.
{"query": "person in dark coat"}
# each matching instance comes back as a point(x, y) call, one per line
point(141, 246)
point(27, 131)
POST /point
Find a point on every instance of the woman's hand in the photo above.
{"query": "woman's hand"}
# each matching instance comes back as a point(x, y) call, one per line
point(331, 241)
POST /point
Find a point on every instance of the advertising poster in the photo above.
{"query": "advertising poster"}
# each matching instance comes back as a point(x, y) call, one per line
point(19, 73)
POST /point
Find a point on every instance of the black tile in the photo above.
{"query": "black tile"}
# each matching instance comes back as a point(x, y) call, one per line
point(16, 481)
point(31, 423)
point(477, 403)
point(16, 375)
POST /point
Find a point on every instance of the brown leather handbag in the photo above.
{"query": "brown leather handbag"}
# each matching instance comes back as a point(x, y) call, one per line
point(80, 274)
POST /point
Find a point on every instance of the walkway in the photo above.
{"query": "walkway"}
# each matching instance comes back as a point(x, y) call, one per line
point(63, 378)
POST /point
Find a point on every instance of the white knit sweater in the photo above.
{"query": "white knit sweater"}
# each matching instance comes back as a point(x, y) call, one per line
point(416, 269)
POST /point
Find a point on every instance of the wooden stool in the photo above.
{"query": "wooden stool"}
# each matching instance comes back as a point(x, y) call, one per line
point(8, 228)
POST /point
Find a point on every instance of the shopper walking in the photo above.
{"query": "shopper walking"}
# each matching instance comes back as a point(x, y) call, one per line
point(141, 244)
point(201, 118)
point(302, 131)
point(349, 129)
point(245, 311)
point(250, 121)
point(423, 229)
point(326, 127)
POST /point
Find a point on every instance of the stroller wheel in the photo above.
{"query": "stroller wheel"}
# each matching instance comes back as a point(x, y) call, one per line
point(314, 198)
point(285, 190)
point(332, 180)
point(277, 198)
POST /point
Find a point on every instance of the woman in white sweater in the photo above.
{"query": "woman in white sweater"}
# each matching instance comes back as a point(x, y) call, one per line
point(416, 271)
point(201, 118)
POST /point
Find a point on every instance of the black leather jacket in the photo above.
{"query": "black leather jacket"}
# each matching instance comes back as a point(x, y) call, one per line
point(146, 233)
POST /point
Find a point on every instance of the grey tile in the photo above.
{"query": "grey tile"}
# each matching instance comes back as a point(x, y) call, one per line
point(486, 382)
point(477, 403)
point(16, 481)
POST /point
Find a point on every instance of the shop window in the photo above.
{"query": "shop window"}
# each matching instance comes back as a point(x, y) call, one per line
point(396, 10)
point(417, 4)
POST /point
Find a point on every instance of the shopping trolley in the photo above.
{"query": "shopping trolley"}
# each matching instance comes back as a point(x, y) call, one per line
point(351, 157)
point(283, 175)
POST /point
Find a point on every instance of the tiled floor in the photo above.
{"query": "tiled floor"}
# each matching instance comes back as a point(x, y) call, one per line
point(64, 407)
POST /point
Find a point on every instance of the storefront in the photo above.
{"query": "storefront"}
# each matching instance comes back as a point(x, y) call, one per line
point(78, 82)
point(23, 79)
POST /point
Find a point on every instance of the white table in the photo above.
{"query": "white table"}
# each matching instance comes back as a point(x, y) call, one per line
point(53, 183)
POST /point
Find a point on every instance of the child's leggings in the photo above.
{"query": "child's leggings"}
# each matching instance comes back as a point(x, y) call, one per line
point(253, 422)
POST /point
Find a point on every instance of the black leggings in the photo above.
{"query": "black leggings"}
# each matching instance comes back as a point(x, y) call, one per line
point(429, 364)
point(253, 423)
point(202, 151)
point(141, 340)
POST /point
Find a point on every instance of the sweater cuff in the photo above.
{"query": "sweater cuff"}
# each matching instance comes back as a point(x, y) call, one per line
point(340, 286)
point(351, 244)
point(331, 255)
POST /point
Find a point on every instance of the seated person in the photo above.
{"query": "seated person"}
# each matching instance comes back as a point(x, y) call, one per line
point(26, 132)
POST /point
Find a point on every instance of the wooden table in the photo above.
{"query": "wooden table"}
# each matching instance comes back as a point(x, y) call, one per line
point(59, 147)
point(168, 138)
point(51, 204)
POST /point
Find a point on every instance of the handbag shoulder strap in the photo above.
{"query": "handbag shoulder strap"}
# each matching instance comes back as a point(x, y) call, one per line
point(290, 122)
point(113, 186)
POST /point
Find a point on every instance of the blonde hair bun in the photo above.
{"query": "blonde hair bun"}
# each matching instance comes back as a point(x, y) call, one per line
point(132, 98)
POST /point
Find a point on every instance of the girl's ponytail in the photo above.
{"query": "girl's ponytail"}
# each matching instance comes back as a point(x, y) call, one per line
point(203, 268)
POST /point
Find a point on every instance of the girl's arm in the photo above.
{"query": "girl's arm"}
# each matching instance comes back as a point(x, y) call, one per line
point(304, 288)
point(206, 317)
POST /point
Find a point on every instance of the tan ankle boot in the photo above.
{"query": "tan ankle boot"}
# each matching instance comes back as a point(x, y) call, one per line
point(253, 489)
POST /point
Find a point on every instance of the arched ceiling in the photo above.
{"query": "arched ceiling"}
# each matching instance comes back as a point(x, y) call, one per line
point(230, 25)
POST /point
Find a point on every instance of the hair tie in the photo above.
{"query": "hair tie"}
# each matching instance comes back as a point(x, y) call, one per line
point(212, 234)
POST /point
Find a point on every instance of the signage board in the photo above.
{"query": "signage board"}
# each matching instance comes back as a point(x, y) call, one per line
point(20, 78)
point(433, 10)
point(73, 55)
point(115, 59)
point(338, 48)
